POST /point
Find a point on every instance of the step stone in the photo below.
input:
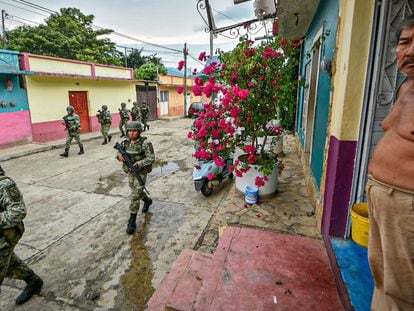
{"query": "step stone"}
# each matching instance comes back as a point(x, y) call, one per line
point(180, 287)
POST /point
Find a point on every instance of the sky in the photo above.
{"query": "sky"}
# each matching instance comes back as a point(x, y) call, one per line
point(164, 22)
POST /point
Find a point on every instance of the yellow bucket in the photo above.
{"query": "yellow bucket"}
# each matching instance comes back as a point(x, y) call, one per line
point(360, 223)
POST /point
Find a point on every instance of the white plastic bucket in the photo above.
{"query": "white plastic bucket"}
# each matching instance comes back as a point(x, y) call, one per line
point(251, 194)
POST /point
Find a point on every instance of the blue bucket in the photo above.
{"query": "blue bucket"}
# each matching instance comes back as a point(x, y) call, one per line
point(251, 194)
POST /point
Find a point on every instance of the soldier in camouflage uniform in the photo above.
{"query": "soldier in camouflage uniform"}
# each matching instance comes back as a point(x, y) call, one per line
point(12, 212)
point(135, 112)
point(124, 118)
point(72, 123)
point(105, 119)
point(144, 115)
point(142, 154)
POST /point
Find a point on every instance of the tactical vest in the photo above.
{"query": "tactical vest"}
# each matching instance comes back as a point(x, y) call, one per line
point(137, 152)
point(71, 120)
point(11, 235)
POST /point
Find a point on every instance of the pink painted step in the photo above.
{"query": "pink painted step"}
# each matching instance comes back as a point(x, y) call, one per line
point(180, 287)
point(259, 270)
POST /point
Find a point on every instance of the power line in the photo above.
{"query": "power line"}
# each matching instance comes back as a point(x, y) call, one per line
point(23, 8)
point(35, 6)
point(24, 19)
point(221, 13)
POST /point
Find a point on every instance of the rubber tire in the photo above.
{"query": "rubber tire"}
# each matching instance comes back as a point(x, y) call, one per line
point(206, 190)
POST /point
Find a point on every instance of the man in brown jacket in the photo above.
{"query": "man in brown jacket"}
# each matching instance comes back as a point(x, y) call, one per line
point(390, 191)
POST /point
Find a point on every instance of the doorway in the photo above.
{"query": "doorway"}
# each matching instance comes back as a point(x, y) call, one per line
point(312, 77)
point(79, 100)
point(164, 103)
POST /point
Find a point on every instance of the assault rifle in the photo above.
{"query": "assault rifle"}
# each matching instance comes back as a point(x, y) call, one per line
point(130, 165)
point(67, 123)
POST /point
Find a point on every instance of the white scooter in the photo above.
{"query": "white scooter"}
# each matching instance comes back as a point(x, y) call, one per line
point(201, 171)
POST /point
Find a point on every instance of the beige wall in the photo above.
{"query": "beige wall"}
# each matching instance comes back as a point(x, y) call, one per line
point(48, 96)
point(110, 72)
point(58, 66)
point(354, 38)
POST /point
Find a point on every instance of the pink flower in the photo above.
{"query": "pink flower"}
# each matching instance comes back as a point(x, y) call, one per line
point(250, 84)
point(198, 81)
point(252, 158)
point(197, 90)
point(210, 176)
point(249, 52)
point(283, 42)
point(269, 53)
point(259, 181)
point(250, 149)
point(202, 57)
point(245, 26)
point(219, 162)
point(190, 135)
point(250, 42)
point(181, 65)
point(243, 94)
point(261, 78)
point(180, 89)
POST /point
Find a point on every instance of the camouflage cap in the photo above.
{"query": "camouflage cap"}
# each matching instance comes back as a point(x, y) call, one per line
point(134, 126)
point(70, 108)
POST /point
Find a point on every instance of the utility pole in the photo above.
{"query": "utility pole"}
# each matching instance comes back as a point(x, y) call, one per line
point(185, 51)
point(211, 24)
point(126, 57)
point(3, 17)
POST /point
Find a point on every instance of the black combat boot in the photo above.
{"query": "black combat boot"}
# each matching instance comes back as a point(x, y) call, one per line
point(122, 134)
point(105, 142)
point(81, 151)
point(132, 226)
point(147, 203)
point(34, 285)
point(65, 154)
point(109, 138)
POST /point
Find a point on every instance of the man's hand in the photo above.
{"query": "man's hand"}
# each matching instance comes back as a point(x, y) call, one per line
point(136, 164)
point(121, 158)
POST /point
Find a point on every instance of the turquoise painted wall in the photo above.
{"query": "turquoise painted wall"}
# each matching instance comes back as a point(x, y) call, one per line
point(10, 70)
point(326, 17)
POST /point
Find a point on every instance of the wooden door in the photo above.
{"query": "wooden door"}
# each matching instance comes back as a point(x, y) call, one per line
point(79, 100)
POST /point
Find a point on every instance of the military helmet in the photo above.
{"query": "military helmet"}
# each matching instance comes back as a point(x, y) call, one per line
point(134, 126)
point(70, 108)
point(123, 104)
point(105, 107)
point(1, 171)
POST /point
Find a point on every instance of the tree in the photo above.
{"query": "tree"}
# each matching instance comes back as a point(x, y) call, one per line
point(67, 34)
point(148, 71)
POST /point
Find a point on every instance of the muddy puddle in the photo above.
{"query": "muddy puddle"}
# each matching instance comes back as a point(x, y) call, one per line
point(163, 167)
point(136, 282)
point(107, 183)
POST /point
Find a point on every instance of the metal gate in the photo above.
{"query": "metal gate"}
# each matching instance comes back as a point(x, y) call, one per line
point(148, 94)
point(79, 100)
point(382, 81)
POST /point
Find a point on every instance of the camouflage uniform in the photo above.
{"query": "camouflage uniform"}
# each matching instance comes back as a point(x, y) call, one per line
point(144, 116)
point(12, 212)
point(124, 118)
point(105, 119)
point(142, 152)
point(135, 113)
point(73, 122)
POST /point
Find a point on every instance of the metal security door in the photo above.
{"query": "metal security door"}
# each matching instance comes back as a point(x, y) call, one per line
point(79, 100)
point(148, 94)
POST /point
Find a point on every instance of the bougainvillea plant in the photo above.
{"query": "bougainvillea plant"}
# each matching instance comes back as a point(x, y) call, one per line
point(251, 87)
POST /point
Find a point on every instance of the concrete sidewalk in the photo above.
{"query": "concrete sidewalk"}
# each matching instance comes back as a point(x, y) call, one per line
point(13, 152)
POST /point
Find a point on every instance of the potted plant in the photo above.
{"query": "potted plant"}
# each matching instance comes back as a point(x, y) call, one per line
point(257, 85)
